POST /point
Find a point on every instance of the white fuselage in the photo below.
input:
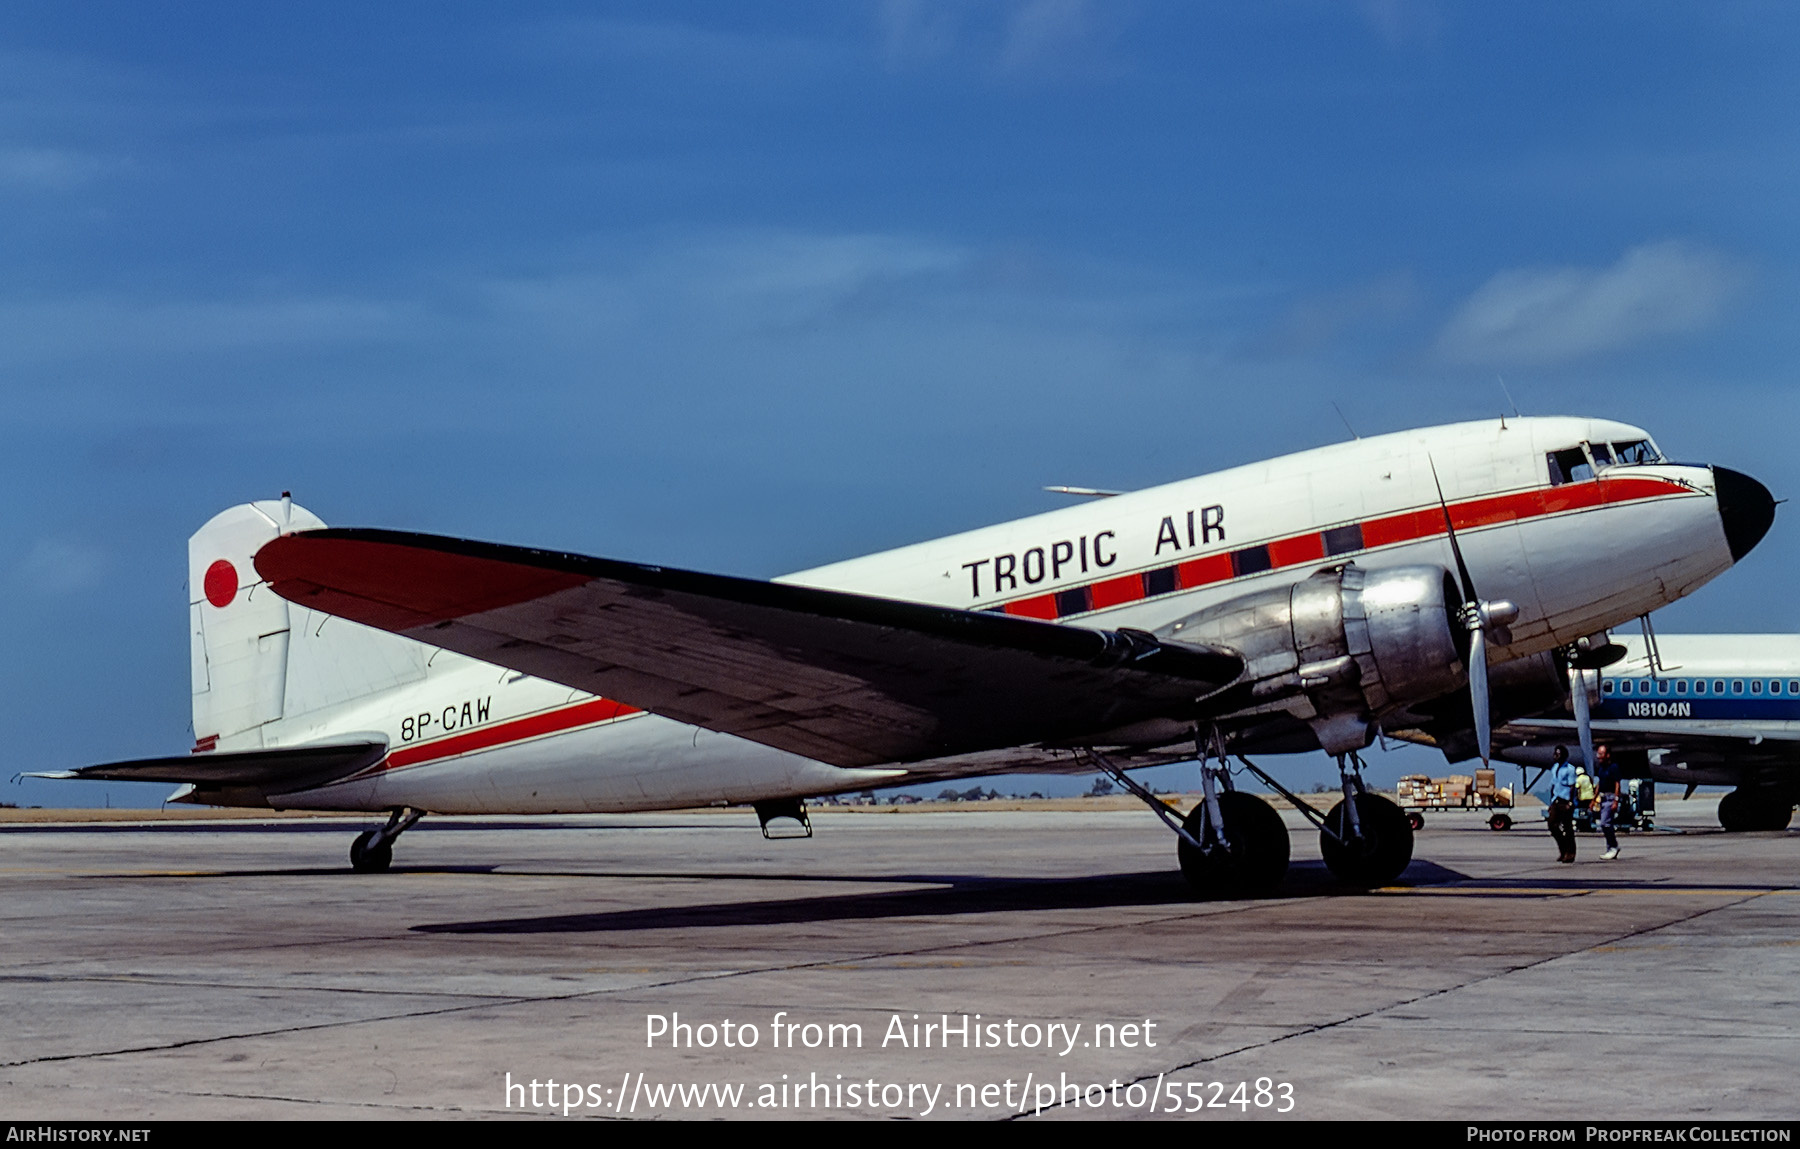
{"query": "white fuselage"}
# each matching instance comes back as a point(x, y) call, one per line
point(1575, 557)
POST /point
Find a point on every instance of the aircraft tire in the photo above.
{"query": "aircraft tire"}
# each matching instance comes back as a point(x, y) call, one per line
point(1384, 850)
point(1258, 856)
point(365, 860)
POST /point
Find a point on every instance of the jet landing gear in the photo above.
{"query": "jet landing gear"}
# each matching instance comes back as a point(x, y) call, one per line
point(1759, 808)
point(1366, 839)
point(1231, 845)
point(373, 850)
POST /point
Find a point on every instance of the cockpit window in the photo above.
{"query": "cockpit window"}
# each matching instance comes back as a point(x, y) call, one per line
point(1601, 455)
point(1569, 465)
point(1634, 452)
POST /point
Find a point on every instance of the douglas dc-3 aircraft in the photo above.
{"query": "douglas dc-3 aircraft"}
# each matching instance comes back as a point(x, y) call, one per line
point(1695, 710)
point(1289, 605)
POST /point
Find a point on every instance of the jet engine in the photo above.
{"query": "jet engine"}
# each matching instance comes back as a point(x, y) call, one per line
point(1340, 649)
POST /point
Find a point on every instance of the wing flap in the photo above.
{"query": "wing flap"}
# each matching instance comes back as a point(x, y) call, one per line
point(842, 678)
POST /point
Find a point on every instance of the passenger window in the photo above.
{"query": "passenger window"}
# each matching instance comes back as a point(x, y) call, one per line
point(1774, 686)
point(1756, 686)
point(1636, 451)
point(1662, 686)
point(1794, 686)
point(1606, 687)
point(1569, 465)
point(1718, 686)
point(1700, 686)
point(1681, 686)
point(1737, 686)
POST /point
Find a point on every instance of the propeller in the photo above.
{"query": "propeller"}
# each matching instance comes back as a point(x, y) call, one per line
point(1582, 656)
point(1481, 618)
point(1584, 723)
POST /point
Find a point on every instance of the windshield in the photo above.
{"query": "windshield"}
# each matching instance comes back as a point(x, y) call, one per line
point(1632, 452)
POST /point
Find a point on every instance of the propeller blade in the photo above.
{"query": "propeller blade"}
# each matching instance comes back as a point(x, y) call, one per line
point(1470, 598)
point(1478, 692)
point(1584, 723)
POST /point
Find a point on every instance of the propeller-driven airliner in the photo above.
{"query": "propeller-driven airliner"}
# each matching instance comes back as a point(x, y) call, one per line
point(1299, 604)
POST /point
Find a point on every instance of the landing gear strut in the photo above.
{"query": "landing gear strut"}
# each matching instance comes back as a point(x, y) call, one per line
point(1231, 845)
point(1366, 839)
point(373, 850)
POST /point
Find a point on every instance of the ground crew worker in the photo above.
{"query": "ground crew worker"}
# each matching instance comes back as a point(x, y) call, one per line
point(1561, 816)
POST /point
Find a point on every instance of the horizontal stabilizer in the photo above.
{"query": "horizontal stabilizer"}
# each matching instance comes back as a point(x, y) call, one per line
point(279, 770)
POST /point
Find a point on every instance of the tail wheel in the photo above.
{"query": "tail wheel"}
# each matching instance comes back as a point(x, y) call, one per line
point(1256, 858)
point(1379, 853)
point(368, 859)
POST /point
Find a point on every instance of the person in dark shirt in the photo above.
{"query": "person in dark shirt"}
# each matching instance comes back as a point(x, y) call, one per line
point(1610, 780)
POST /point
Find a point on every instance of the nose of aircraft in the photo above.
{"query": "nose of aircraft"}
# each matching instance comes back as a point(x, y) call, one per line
point(1745, 507)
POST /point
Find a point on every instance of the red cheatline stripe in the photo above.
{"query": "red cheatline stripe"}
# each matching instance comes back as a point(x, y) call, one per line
point(1405, 527)
point(549, 722)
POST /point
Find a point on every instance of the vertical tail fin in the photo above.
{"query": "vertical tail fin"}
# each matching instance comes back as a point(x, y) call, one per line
point(259, 660)
point(238, 627)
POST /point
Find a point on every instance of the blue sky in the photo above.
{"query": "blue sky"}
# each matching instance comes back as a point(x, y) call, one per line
point(752, 287)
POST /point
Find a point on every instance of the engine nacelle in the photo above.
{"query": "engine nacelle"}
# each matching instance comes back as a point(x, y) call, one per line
point(1343, 647)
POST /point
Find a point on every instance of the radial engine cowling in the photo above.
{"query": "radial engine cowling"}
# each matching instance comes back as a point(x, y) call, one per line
point(1341, 648)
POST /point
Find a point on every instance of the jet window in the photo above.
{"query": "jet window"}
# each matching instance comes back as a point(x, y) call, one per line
point(1606, 687)
point(1700, 686)
point(1718, 686)
point(1756, 686)
point(1794, 686)
point(1662, 686)
point(1681, 686)
point(1737, 686)
point(1569, 465)
point(1774, 686)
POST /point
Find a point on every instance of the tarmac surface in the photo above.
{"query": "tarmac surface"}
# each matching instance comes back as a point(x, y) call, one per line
point(239, 970)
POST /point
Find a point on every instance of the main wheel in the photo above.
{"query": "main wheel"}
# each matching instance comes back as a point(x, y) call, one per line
point(1258, 853)
point(1377, 856)
point(1743, 810)
point(365, 859)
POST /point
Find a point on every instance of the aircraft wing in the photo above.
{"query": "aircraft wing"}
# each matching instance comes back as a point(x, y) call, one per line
point(277, 770)
point(842, 678)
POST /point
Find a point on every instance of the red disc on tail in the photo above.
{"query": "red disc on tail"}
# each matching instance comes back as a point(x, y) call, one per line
point(221, 583)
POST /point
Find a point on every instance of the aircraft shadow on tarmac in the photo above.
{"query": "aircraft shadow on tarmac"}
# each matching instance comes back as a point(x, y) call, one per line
point(963, 894)
point(950, 895)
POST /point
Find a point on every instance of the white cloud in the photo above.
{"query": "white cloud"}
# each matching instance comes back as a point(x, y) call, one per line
point(1544, 315)
point(1045, 31)
point(52, 169)
point(57, 566)
point(84, 327)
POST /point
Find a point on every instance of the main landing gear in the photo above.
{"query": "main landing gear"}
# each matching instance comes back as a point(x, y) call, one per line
point(1231, 845)
point(1234, 844)
point(373, 850)
point(1758, 808)
point(1366, 840)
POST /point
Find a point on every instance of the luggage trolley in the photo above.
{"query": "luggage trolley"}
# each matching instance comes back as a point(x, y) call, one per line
point(1464, 792)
